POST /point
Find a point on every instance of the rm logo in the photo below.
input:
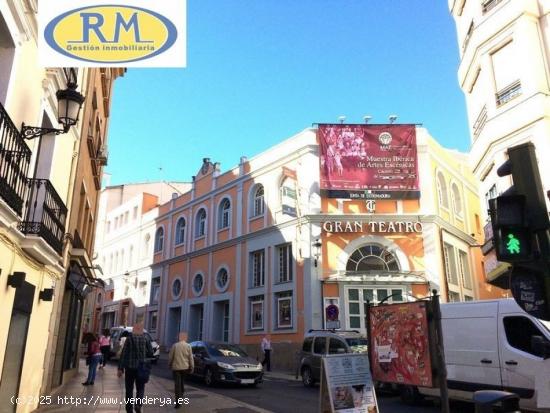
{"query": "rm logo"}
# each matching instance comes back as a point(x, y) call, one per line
point(124, 34)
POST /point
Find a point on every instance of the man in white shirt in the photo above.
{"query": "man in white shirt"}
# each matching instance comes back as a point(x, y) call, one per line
point(267, 349)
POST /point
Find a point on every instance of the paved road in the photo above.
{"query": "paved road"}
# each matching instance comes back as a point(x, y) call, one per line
point(284, 396)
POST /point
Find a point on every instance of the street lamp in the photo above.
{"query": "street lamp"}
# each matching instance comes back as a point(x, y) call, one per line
point(69, 102)
point(317, 250)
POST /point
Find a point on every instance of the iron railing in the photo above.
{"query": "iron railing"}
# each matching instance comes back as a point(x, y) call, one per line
point(15, 157)
point(45, 213)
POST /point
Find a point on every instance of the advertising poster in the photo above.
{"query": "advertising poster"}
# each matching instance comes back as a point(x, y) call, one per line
point(346, 385)
point(399, 342)
point(368, 161)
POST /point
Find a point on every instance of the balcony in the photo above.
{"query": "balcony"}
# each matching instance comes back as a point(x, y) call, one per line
point(15, 158)
point(45, 213)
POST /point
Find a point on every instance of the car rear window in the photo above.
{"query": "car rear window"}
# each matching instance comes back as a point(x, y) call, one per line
point(307, 344)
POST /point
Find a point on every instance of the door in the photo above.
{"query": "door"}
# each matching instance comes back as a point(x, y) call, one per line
point(15, 346)
point(319, 350)
point(520, 362)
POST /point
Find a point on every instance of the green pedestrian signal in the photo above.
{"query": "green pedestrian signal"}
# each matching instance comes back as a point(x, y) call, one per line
point(513, 245)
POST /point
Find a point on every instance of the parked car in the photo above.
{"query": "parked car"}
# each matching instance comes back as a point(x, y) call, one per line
point(221, 362)
point(119, 335)
point(318, 343)
point(489, 345)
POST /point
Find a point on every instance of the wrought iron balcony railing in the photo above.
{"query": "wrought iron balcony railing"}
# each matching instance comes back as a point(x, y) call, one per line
point(15, 158)
point(45, 213)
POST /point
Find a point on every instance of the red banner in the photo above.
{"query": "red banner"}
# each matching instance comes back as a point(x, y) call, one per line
point(368, 161)
point(400, 345)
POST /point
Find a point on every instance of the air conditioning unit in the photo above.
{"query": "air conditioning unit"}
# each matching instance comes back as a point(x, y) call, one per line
point(102, 155)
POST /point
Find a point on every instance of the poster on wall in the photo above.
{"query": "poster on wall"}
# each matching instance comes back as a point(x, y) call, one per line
point(257, 311)
point(284, 312)
point(368, 161)
point(400, 345)
point(346, 385)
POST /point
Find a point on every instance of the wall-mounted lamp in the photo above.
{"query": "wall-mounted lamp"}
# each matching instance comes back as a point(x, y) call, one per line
point(341, 119)
point(367, 118)
point(317, 250)
point(393, 118)
point(46, 294)
point(16, 279)
point(69, 103)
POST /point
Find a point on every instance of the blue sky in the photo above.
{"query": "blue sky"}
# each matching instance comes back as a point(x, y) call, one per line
point(259, 71)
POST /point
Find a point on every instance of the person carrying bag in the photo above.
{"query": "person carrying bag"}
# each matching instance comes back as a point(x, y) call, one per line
point(134, 363)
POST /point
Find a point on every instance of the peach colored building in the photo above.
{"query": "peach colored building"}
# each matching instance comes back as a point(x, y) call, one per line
point(258, 250)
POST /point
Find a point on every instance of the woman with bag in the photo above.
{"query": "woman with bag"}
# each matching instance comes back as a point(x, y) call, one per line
point(105, 346)
point(93, 359)
point(135, 366)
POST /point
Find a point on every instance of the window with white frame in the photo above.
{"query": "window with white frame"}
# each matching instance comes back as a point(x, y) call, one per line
point(506, 73)
point(457, 199)
point(284, 309)
point(200, 224)
point(458, 272)
point(159, 239)
point(450, 264)
point(224, 214)
point(180, 231)
point(257, 268)
point(358, 297)
point(258, 200)
point(284, 262)
point(442, 195)
point(372, 257)
point(256, 312)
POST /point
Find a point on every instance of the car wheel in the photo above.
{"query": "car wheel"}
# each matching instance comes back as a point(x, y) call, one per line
point(208, 377)
point(307, 377)
point(410, 395)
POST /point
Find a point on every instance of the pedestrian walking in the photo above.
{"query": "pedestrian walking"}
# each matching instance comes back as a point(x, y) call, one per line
point(105, 346)
point(180, 360)
point(135, 366)
point(267, 350)
point(93, 358)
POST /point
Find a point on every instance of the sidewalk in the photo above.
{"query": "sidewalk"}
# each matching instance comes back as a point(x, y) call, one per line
point(106, 396)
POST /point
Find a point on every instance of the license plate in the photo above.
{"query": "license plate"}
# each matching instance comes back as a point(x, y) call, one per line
point(247, 381)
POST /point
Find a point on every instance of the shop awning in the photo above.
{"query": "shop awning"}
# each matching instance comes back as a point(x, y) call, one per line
point(389, 277)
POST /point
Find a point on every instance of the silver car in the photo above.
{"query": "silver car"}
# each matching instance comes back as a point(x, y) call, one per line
point(119, 335)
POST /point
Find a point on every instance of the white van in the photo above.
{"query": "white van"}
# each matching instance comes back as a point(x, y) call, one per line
point(488, 346)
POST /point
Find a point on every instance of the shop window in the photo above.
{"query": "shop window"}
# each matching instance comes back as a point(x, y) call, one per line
point(256, 312)
point(284, 309)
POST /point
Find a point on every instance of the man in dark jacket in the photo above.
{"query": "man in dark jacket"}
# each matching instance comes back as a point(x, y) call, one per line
point(137, 348)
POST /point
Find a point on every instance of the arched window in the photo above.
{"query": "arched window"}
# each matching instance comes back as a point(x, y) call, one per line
point(457, 199)
point(224, 214)
point(180, 231)
point(200, 223)
point(442, 194)
point(372, 257)
point(159, 239)
point(258, 199)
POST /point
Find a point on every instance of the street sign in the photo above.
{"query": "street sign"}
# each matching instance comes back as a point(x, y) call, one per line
point(332, 312)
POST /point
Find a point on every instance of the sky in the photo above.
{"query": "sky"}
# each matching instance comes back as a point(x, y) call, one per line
point(260, 71)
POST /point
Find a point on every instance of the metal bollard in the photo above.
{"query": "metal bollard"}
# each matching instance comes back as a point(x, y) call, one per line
point(486, 400)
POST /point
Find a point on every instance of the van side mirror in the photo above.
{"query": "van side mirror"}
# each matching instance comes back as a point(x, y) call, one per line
point(541, 346)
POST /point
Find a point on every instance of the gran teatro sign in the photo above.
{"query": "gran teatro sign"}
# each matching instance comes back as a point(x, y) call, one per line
point(373, 226)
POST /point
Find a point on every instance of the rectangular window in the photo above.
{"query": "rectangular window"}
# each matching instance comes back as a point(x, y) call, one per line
point(489, 5)
point(257, 268)
point(135, 213)
point(491, 193)
point(285, 263)
point(153, 316)
point(155, 290)
point(465, 273)
point(450, 264)
point(454, 297)
point(506, 74)
point(284, 309)
point(126, 215)
point(257, 312)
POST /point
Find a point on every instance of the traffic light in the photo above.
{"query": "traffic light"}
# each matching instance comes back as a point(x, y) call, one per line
point(519, 219)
